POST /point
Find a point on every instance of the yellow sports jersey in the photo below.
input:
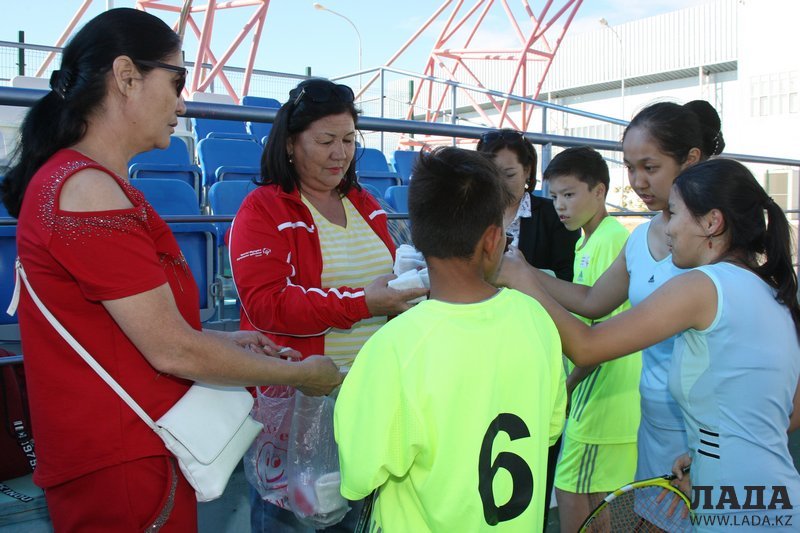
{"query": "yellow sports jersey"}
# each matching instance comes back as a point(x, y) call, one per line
point(351, 257)
point(448, 410)
point(605, 406)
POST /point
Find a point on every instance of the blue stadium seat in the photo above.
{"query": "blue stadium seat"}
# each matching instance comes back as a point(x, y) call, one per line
point(371, 159)
point(403, 161)
point(225, 198)
point(372, 190)
point(176, 154)
point(231, 135)
point(188, 174)
point(197, 240)
point(260, 130)
point(9, 326)
point(397, 197)
point(222, 159)
point(169, 197)
point(260, 101)
point(202, 127)
point(380, 180)
point(171, 163)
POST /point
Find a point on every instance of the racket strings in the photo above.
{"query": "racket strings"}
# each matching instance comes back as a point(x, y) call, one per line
point(627, 512)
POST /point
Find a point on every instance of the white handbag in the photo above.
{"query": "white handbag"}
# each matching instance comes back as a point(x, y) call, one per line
point(208, 430)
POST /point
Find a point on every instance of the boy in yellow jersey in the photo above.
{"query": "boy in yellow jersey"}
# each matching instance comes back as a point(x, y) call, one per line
point(449, 408)
point(598, 453)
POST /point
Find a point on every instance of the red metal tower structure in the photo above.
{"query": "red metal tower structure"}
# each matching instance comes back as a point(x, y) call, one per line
point(199, 21)
point(455, 57)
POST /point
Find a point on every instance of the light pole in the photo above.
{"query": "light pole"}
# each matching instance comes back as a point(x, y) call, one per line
point(320, 7)
point(605, 23)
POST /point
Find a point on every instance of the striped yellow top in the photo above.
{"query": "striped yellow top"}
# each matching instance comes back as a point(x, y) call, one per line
point(352, 256)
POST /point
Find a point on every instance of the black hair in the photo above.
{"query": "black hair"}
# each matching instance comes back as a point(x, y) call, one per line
point(765, 246)
point(455, 195)
point(517, 143)
point(679, 128)
point(583, 162)
point(293, 119)
point(79, 87)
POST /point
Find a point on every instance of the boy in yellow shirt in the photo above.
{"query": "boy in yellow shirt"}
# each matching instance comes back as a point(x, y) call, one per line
point(449, 408)
point(598, 452)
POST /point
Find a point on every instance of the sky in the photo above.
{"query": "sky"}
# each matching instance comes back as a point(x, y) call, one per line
point(297, 36)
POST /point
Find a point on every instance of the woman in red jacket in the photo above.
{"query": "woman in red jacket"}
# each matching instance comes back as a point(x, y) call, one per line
point(310, 250)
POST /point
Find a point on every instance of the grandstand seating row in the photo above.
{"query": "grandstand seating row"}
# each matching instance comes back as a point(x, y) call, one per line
point(222, 158)
point(211, 170)
point(202, 243)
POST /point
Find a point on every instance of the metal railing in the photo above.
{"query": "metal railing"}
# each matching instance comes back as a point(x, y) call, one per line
point(26, 97)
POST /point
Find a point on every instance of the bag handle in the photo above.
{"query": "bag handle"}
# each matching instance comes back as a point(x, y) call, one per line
point(20, 273)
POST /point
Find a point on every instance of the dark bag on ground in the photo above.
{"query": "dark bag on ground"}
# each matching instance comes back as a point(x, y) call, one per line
point(16, 435)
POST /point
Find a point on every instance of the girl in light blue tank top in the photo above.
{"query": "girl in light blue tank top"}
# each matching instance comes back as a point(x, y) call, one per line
point(661, 436)
point(660, 141)
point(737, 440)
point(736, 362)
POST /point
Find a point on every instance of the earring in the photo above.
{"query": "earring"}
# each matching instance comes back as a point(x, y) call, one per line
point(527, 186)
point(291, 159)
point(709, 243)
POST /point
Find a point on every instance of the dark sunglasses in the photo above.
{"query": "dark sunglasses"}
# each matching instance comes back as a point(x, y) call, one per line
point(180, 83)
point(319, 93)
point(506, 135)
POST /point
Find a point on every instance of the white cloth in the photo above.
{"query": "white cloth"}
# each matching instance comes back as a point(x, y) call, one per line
point(407, 258)
point(412, 279)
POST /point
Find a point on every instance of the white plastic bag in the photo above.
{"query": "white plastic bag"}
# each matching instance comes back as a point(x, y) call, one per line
point(266, 461)
point(313, 467)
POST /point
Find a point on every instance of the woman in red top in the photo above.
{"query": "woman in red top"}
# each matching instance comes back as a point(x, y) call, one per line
point(110, 270)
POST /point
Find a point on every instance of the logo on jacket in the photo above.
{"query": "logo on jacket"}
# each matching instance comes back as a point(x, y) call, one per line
point(258, 252)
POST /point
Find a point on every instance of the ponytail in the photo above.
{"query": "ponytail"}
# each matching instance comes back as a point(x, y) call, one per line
point(48, 127)
point(777, 270)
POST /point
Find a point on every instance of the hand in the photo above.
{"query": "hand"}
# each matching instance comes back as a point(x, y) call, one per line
point(682, 482)
point(382, 300)
point(257, 342)
point(512, 266)
point(320, 376)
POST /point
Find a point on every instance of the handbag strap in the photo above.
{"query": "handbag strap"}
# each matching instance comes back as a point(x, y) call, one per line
point(20, 273)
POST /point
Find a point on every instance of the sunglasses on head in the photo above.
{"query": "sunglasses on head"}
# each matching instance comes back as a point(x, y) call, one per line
point(319, 93)
point(180, 83)
point(506, 135)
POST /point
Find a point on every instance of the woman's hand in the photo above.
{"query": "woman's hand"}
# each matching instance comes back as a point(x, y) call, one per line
point(512, 267)
point(516, 273)
point(257, 342)
point(683, 480)
point(382, 300)
point(320, 376)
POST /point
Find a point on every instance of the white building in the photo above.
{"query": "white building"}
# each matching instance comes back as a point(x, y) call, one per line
point(740, 55)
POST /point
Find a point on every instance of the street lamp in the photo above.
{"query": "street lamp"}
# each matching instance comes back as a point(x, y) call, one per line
point(320, 7)
point(604, 22)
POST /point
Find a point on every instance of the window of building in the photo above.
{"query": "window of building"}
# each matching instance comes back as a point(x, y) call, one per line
point(774, 94)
